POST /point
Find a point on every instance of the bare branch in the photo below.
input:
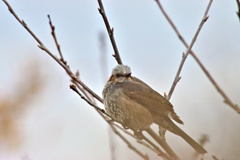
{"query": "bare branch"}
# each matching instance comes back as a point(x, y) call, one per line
point(163, 143)
point(74, 88)
point(22, 23)
point(110, 32)
point(55, 40)
point(238, 12)
point(160, 152)
point(184, 57)
point(128, 143)
point(85, 92)
point(221, 92)
point(42, 46)
point(151, 146)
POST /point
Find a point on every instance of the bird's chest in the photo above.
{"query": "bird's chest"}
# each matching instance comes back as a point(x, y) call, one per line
point(116, 107)
point(127, 112)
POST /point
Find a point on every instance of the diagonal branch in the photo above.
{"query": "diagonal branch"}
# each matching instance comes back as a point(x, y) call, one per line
point(184, 57)
point(163, 144)
point(42, 46)
point(110, 32)
point(128, 143)
point(55, 39)
point(221, 92)
point(74, 88)
point(160, 152)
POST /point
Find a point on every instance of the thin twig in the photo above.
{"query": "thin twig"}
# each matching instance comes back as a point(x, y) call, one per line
point(55, 40)
point(151, 147)
point(86, 94)
point(74, 88)
point(129, 144)
point(163, 144)
point(238, 12)
point(22, 22)
point(221, 92)
point(65, 62)
point(42, 46)
point(184, 57)
point(110, 32)
point(149, 144)
point(160, 152)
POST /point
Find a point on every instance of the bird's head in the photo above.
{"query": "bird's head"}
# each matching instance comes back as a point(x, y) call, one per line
point(121, 73)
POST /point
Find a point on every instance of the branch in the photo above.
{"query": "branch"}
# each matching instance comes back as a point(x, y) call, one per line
point(184, 57)
point(128, 143)
point(160, 152)
point(86, 94)
point(55, 40)
point(65, 63)
point(150, 145)
point(238, 12)
point(221, 92)
point(110, 32)
point(162, 142)
point(42, 46)
point(74, 88)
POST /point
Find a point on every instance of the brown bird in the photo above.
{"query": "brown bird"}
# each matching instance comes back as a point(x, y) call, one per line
point(135, 105)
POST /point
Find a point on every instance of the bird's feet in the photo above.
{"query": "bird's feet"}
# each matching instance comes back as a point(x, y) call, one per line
point(139, 134)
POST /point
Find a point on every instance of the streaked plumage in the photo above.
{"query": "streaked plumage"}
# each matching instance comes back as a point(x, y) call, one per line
point(136, 105)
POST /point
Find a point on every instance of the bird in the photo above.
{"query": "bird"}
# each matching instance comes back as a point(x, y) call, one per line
point(135, 105)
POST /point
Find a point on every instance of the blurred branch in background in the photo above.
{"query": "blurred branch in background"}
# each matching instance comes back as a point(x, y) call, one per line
point(103, 56)
point(202, 141)
point(215, 157)
point(110, 32)
point(104, 69)
point(13, 107)
point(225, 97)
point(238, 12)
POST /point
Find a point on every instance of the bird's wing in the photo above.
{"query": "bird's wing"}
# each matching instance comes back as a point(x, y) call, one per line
point(144, 95)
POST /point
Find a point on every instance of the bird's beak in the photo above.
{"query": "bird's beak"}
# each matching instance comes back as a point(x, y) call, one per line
point(112, 78)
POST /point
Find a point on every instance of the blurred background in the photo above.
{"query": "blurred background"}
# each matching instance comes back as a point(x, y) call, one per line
point(42, 119)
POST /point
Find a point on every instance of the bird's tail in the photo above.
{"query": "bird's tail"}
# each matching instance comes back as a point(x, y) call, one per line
point(187, 138)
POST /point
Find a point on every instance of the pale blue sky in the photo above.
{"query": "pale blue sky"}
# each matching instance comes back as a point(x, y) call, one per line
point(59, 125)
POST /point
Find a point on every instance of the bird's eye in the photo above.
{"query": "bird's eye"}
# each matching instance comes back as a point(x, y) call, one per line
point(119, 75)
point(123, 75)
point(127, 75)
